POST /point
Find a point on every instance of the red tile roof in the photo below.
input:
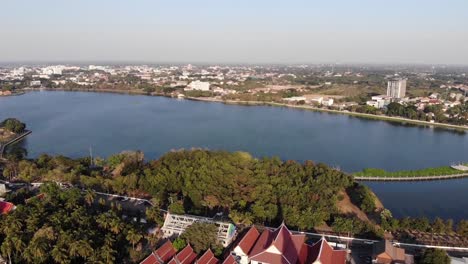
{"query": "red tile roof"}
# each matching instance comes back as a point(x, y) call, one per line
point(161, 255)
point(6, 207)
point(323, 252)
point(151, 259)
point(287, 246)
point(185, 256)
point(230, 260)
point(248, 241)
point(207, 258)
point(165, 252)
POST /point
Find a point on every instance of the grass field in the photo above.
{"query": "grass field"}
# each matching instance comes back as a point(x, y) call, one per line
point(438, 171)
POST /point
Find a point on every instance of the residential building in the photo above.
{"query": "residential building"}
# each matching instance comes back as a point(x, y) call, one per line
point(376, 104)
point(384, 252)
point(35, 83)
point(328, 102)
point(396, 88)
point(295, 99)
point(174, 225)
point(198, 85)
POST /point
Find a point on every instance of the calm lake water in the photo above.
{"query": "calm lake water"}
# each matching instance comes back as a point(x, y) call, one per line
point(69, 123)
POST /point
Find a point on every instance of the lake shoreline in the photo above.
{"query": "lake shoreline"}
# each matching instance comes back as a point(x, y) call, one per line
point(261, 103)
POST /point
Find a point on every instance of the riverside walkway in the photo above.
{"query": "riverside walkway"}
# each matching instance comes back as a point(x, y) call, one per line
point(16, 139)
point(411, 178)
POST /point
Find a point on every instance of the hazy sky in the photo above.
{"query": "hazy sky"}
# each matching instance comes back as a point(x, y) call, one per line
point(235, 31)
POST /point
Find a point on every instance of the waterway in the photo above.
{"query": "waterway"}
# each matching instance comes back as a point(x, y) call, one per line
point(69, 123)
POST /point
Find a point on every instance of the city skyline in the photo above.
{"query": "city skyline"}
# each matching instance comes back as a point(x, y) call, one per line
point(418, 32)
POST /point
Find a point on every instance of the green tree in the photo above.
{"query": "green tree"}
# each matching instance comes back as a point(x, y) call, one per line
point(201, 236)
point(133, 237)
point(179, 243)
point(435, 256)
point(13, 125)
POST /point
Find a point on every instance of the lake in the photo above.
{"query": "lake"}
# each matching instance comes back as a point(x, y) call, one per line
point(69, 123)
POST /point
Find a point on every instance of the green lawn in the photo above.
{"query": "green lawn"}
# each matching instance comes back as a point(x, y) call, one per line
point(371, 172)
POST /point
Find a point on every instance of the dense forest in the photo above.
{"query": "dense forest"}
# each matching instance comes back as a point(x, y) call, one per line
point(250, 190)
point(65, 226)
point(244, 189)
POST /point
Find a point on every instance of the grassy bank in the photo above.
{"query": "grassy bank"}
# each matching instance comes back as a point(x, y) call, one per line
point(437, 171)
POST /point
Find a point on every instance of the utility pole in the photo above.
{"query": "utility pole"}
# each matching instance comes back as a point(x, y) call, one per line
point(91, 156)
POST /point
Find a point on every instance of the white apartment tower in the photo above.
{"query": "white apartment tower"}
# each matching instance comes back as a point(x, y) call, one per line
point(396, 88)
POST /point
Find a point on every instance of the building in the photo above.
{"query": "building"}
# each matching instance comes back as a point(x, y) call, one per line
point(35, 83)
point(161, 255)
point(281, 246)
point(3, 188)
point(384, 252)
point(198, 85)
point(6, 207)
point(242, 249)
point(454, 260)
point(328, 102)
point(230, 260)
point(174, 225)
point(207, 258)
point(322, 253)
point(396, 88)
point(375, 104)
point(185, 256)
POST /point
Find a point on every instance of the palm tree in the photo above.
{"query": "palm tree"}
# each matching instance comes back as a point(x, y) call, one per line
point(81, 248)
point(7, 248)
point(133, 237)
point(36, 251)
point(60, 254)
point(116, 225)
point(90, 196)
point(104, 221)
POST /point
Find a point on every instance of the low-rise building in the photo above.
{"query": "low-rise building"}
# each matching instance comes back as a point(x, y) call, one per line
point(282, 246)
point(198, 85)
point(175, 225)
point(6, 207)
point(384, 252)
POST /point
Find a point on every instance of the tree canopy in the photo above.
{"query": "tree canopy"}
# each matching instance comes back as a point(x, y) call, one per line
point(61, 226)
point(435, 256)
point(13, 125)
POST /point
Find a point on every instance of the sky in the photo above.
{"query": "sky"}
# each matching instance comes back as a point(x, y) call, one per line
point(235, 31)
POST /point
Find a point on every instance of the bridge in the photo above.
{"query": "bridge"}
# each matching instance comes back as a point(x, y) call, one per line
point(14, 140)
point(411, 178)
